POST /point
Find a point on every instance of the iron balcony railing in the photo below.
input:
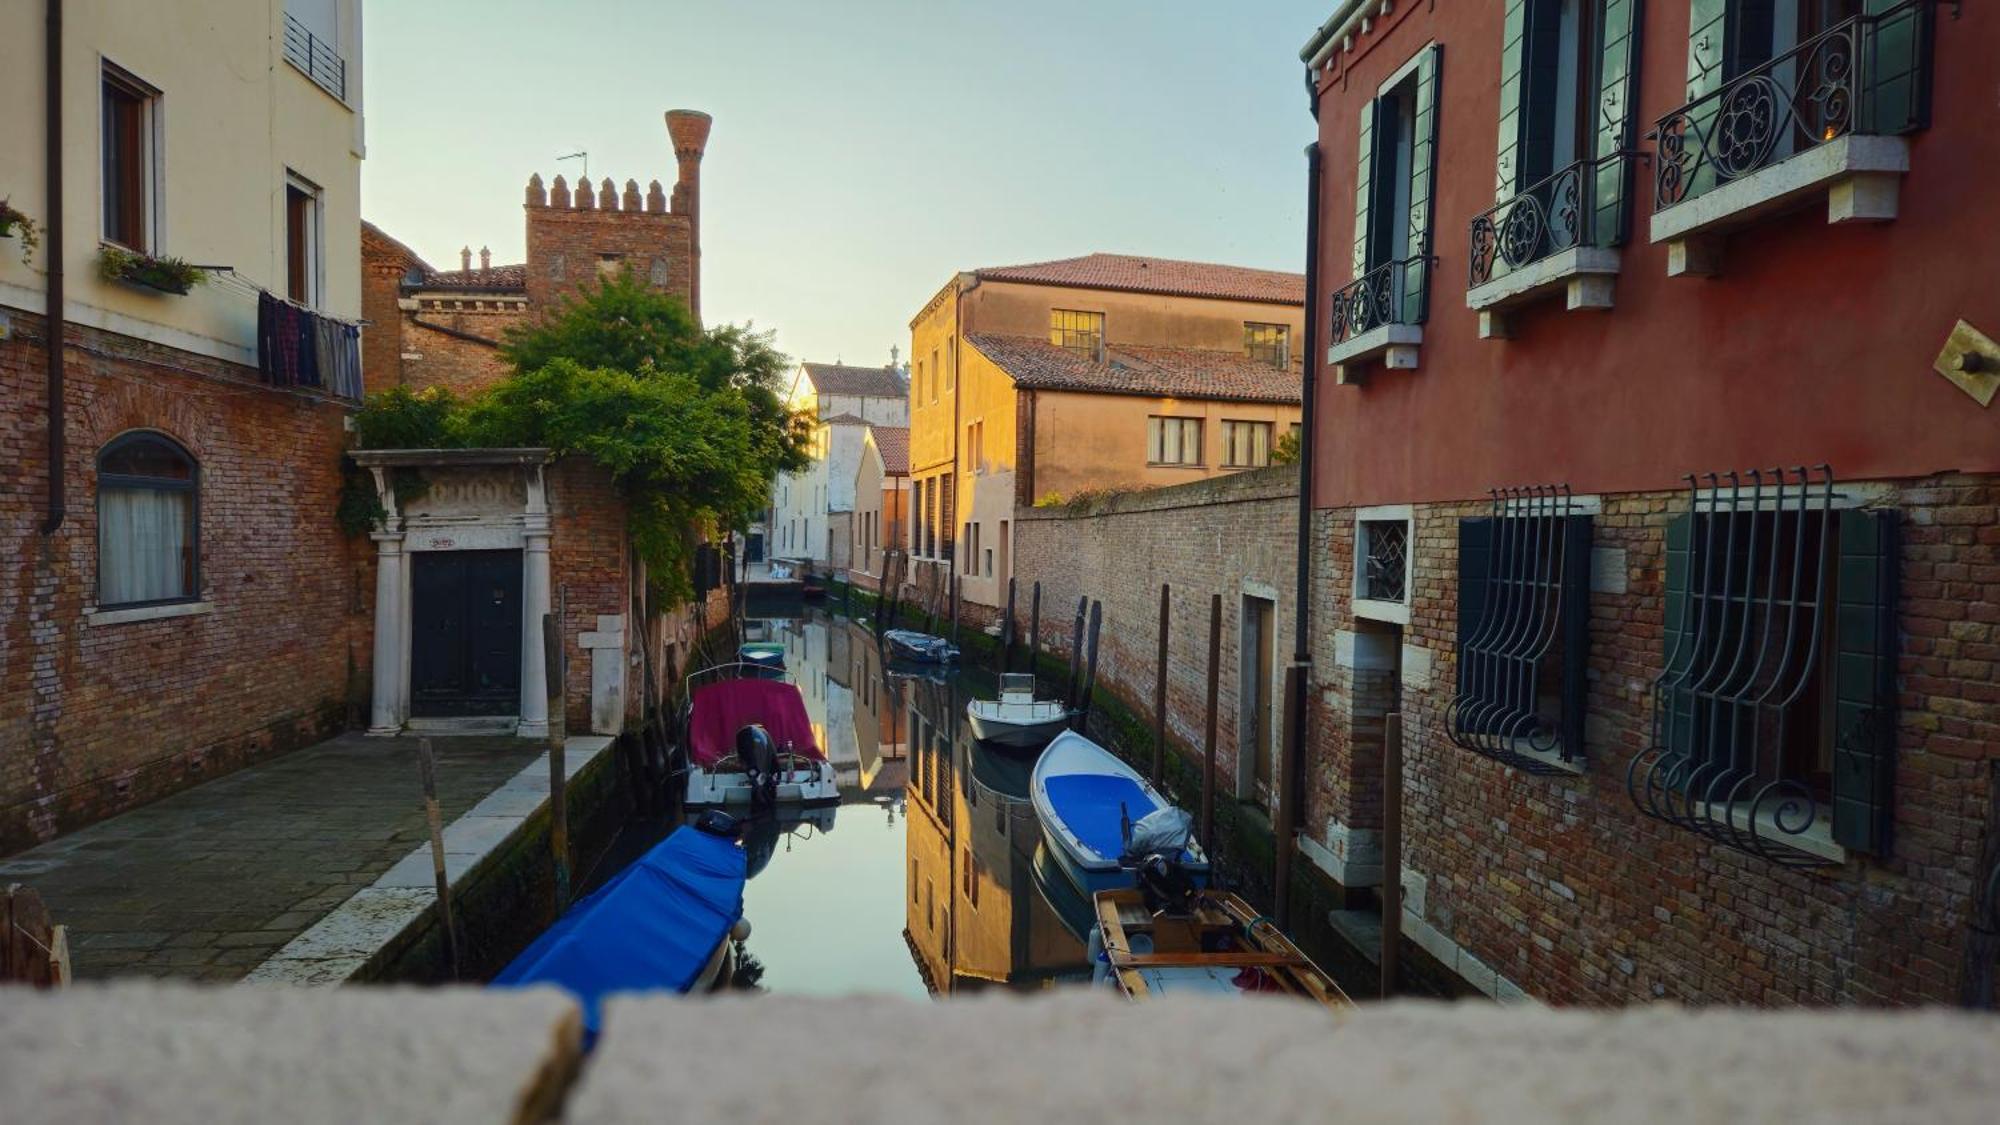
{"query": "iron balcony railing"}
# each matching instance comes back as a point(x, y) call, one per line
point(316, 57)
point(1867, 75)
point(1392, 293)
point(1581, 205)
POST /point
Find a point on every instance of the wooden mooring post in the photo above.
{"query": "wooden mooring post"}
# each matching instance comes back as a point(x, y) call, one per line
point(1286, 824)
point(1392, 850)
point(1160, 693)
point(1007, 630)
point(427, 766)
point(552, 664)
point(1208, 731)
point(1089, 687)
point(954, 608)
point(1034, 627)
point(1074, 686)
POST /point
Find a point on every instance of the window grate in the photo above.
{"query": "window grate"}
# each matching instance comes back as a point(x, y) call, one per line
point(1524, 576)
point(316, 57)
point(1386, 549)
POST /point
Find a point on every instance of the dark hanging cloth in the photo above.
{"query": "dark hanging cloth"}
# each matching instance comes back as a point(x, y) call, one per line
point(268, 348)
point(305, 330)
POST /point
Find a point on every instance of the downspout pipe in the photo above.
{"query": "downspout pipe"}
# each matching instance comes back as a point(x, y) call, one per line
point(53, 315)
point(1292, 779)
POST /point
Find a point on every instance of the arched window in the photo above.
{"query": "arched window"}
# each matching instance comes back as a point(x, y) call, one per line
point(147, 549)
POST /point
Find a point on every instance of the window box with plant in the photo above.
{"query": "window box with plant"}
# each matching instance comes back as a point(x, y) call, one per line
point(163, 274)
point(14, 223)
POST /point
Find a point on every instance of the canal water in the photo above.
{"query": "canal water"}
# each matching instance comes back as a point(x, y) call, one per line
point(925, 879)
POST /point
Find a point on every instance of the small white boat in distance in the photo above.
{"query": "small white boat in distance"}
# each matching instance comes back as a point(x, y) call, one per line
point(1017, 718)
point(1087, 801)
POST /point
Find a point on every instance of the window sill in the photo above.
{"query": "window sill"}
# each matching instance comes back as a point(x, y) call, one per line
point(1375, 609)
point(147, 613)
point(1584, 273)
point(1816, 840)
point(1861, 176)
point(1394, 346)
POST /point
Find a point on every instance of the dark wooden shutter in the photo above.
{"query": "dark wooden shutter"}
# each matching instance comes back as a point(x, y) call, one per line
point(1899, 100)
point(1513, 60)
point(1364, 188)
point(1617, 92)
point(1423, 175)
point(1864, 681)
point(1541, 44)
point(1677, 724)
point(1475, 569)
point(1575, 603)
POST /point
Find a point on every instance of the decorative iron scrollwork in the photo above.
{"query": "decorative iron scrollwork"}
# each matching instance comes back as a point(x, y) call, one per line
point(1867, 74)
point(1551, 216)
point(1745, 619)
point(1392, 293)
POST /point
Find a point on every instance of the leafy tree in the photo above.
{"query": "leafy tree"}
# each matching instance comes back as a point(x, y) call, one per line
point(1285, 451)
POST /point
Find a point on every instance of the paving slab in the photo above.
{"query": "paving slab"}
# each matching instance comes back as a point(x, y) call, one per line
point(1085, 1056)
point(144, 1051)
point(254, 858)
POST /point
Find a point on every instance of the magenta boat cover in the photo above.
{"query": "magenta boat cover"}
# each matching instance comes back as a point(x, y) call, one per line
point(721, 709)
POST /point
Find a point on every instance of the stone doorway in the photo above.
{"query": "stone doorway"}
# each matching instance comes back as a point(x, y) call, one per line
point(465, 634)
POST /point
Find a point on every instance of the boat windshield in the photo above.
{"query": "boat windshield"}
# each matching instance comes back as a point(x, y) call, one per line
point(1017, 683)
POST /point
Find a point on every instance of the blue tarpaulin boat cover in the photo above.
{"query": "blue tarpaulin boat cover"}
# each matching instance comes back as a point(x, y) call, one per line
point(651, 928)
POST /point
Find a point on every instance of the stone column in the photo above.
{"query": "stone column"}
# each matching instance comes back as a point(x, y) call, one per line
point(535, 602)
point(386, 708)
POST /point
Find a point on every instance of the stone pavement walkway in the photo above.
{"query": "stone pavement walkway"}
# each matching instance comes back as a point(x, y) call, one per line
point(208, 883)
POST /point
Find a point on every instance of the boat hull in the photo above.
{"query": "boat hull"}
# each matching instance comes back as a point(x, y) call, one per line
point(714, 789)
point(1020, 736)
point(1095, 868)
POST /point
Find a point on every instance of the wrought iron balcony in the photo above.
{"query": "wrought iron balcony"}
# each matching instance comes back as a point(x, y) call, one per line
point(1866, 76)
point(1392, 293)
point(316, 58)
point(1583, 205)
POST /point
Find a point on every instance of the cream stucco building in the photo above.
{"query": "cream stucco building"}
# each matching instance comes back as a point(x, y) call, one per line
point(812, 509)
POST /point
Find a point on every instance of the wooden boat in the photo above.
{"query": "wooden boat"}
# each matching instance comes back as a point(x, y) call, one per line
point(668, 922)
point(1087, 801)
point(919, 648)
point(1220, 946)
point(1017, 718)
point(730, 763)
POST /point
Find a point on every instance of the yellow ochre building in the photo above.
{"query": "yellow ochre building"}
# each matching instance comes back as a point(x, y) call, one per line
point(1034, 383)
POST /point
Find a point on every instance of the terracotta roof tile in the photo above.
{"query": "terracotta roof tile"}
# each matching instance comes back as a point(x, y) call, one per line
point(894, 444)
point(841, 379)
point(497, 279)
point(1129, 369)
point(1135, 274)
point(395, 245)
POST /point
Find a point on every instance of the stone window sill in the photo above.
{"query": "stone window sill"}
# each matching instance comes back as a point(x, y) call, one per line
point(1585, 274)
point(1860, 175)
point(1816, 840)
point(1394, 346)
point(1375, 609)
point(146, 613)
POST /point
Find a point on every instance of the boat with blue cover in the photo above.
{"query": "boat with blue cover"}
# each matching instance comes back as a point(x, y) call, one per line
point(666, 923)
point(1088, 800)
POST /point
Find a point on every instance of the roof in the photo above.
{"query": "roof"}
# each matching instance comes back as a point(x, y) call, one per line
point(844, 418)
point(1134, 274)
point(497, 278)
point(840, 379)
point(893, 442)
point(396, 245)
point(1130, 369)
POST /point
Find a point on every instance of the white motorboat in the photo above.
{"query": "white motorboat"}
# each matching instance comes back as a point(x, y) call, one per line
point(1017, 718)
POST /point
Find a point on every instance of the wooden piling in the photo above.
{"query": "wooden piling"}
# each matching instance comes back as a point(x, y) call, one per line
point(1035, 627)
point(1160, 693)
point(1074, 683)
point(1090, 662)
point(427, 767)
point(1208, 733)
point(1007, 630)
point(1287, 818)
point(552, 664)
point(1392, 849)
point(955, 592)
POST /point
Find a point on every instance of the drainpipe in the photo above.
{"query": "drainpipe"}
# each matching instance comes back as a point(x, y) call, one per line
point(53, 329)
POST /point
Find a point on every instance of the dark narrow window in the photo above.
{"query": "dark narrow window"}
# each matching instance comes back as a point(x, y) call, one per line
point(127, 169)
point(148, 547)
point(1392, 205)
point(301, 242)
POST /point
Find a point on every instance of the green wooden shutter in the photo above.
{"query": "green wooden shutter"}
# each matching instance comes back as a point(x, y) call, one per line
point(1541, 45)
point(1513, 58)
point(1617, 92)
point(1864, 681)
point(1898, 99)
point(1364, 188)
point(1677, 725)
point(1475, 571)
point(1707, 28)
point(1423, 173)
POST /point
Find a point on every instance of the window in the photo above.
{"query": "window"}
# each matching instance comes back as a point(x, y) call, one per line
point(1246, 445)
point(1392, 203)
point(975, 447)
point(950, 364)
point(312, 28)
point(1268, 343)
point(934, 375)
point(148, 548)
point(1079, 332)
point(1777, 694)
point(131, 110)
point(989, 562)
point(1173, 441)
point(1382, 551)
point(302, 241)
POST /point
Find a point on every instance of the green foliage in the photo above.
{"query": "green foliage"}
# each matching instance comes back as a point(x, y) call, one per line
point(1285, 451)
point(360, 510)
point(168, 275)
point(14, 223)
point(400, 418)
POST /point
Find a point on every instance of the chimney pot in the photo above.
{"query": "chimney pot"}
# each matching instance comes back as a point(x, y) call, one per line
point(485, 262)
point(465, 258)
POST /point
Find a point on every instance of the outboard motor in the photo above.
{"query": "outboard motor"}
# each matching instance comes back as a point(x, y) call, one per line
point(1165, 883)
point(1154, 846)
point(759, 756)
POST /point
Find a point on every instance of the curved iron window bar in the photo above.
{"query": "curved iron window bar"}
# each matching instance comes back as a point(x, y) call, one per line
point(1744, 651)
point(159, 484)
point(1531, 581)
point(1391, 293)
point(1869, 74)
point(1556, 214)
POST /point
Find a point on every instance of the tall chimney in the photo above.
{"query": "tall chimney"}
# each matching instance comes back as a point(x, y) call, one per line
point(485, 264)
point(465, 259)
point(689, 130)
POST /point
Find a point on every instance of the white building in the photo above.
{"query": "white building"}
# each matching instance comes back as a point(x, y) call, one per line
point(810, 509)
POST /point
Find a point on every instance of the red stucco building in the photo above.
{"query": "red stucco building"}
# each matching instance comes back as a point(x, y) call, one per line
point(1702, 703)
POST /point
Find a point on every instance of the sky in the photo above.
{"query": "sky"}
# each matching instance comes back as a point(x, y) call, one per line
point(863, 150)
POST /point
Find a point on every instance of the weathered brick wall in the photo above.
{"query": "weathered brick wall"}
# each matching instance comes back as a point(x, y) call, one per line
point(457, 349)
point(588, 568)
point(571, 238)
point(98, 718)
point(1560, 885)
point(1229, 535)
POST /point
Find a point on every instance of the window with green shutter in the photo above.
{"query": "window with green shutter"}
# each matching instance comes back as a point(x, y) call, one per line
point(1773, 714)
point(1393, 203)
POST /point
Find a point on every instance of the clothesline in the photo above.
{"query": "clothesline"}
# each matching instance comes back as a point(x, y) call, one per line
point(299, 347)
point(244, 285)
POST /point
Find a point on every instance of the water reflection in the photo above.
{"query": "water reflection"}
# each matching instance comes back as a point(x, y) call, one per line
point(925, 878)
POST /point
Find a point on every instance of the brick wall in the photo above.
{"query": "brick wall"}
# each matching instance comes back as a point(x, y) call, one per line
point(457, 349)
point(588, 567)
point(570, 236)
point(98, 718)
point(1229, 535)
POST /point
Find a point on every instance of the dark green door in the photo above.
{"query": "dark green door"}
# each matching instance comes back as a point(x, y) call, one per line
point(465, 643)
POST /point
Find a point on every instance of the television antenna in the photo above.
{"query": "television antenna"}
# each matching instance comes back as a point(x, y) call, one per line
point(579, 154)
